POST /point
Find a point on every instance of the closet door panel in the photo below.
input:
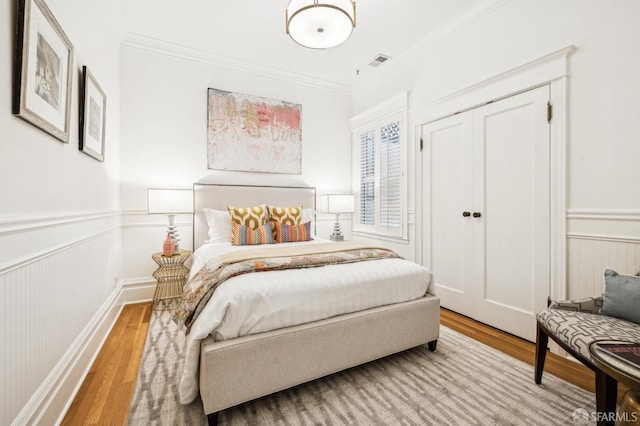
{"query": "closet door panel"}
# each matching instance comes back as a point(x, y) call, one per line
point(514, 199)
point(447, 143)
point(509, 207)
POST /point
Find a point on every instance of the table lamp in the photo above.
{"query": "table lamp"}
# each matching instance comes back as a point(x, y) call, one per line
point(336, 204)
point(170, 202)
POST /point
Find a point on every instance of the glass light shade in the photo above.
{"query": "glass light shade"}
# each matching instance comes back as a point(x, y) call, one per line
point(337, 203)
point(320, 25)
point(170, 201)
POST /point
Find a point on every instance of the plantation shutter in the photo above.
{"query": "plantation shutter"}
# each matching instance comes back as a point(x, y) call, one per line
point(390, 176)
point(367, 214)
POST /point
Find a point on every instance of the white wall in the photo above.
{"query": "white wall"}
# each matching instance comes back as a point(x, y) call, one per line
point(59, 223)
point(164, 136)
point(603, 100)
point(60, 235)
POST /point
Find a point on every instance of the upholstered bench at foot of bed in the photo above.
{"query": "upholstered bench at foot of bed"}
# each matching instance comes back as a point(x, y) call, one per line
point(574, 332)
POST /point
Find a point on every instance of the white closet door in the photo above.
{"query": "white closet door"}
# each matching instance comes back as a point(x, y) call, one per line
point(446, 233)
point(491, 162)
point(511, 192)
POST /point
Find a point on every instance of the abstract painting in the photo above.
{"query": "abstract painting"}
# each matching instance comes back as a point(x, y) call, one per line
point(249, 133)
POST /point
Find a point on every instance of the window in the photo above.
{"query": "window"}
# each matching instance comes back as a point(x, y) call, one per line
point(367, 213)
point(379, 170)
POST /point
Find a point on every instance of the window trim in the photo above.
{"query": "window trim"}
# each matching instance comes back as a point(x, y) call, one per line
point(374, 119)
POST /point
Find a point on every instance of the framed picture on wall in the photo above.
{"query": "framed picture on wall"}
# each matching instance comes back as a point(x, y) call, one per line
point(42, 74)
point(253, 134)
point(93, 114)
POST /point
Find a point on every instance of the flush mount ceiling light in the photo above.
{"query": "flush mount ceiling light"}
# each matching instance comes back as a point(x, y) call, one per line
point(320, 25)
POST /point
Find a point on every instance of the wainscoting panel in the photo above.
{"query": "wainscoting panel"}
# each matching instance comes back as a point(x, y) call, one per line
point(589, 256)
point(49, 299)
point(599, 239)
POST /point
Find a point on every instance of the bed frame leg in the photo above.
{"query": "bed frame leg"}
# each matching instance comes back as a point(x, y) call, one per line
point(432, 345)
point(213, 418)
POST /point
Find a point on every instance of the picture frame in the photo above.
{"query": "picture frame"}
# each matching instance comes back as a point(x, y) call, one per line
point(93, 115)
point(42, 70)
point(253, 134)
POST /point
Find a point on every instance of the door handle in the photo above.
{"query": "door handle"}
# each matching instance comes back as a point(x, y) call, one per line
point(466, 214)
point(477, 214)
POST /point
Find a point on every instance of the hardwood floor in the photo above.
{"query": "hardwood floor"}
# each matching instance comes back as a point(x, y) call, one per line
point(521, 349)
point(106, 393)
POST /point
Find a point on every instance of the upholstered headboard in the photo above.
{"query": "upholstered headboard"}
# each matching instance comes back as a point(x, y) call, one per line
point(218, 196)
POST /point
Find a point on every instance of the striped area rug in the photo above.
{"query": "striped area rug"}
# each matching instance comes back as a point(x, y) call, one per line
point(463, 383)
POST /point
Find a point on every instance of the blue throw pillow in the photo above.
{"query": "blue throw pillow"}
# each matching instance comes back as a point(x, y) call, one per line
point(621, 296)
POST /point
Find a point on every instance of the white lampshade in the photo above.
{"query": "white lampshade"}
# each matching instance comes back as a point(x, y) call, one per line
point(170, 201)
point(337, 203)
point(320, 24)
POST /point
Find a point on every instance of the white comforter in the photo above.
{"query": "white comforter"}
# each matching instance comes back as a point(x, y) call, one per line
point(258, 302)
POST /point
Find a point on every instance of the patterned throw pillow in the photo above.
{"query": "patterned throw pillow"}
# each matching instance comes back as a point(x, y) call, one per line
point(244, 236)
point(252, 217)
point(285, 216)
point(291, 233)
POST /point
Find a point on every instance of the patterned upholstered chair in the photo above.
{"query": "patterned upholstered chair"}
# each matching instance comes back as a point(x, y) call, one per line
point(574, 325)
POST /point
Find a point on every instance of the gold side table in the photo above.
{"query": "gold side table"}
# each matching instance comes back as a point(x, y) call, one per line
point(172, 277)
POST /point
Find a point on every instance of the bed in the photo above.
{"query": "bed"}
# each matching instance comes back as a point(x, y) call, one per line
point(261, 353)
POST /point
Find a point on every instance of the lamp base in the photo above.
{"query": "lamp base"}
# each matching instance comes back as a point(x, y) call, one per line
point(172, 229)
point(337, 233)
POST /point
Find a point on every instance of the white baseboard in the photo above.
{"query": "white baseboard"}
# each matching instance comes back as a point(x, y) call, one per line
point(137, 290)
point(50, 402)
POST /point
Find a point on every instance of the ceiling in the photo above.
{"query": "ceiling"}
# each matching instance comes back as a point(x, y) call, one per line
point(253, 32)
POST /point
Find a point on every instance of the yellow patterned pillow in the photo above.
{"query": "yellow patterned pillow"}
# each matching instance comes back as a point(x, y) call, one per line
point(285, 215)
point(251, 217)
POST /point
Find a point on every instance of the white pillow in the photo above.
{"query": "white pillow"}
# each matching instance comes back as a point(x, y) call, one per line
point(309, 215)
point(219, 225)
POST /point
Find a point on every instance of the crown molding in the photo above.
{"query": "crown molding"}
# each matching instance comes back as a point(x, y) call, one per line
point(178, 51)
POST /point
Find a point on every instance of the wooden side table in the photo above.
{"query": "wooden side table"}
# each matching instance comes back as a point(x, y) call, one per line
point(172, 277)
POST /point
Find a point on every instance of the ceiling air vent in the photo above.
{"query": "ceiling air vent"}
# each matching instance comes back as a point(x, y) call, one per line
point(378, 60)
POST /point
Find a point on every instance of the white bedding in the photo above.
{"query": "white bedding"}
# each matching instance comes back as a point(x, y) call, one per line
point(263, 301)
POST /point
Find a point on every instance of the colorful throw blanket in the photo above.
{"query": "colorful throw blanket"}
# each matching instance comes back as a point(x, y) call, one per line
point(201, 287)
